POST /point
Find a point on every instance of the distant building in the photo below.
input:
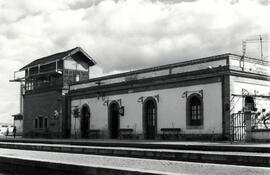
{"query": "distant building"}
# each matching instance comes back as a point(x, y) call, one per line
point(6, 129)
point(194, 99)
point(18, 123)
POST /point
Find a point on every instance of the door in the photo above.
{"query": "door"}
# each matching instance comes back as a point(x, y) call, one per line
point(150, 119)
point(85, 121)
point(238, 127)
point(114, 120)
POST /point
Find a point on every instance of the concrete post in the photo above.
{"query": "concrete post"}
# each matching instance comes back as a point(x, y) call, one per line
point(248, 125)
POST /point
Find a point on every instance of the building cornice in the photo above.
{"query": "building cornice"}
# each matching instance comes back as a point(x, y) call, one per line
point(158, 68)
point(226, 56)
point(163, 82)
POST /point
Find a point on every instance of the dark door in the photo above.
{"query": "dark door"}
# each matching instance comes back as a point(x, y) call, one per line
point(114, 120)
point(85, 122)
point(150, 119)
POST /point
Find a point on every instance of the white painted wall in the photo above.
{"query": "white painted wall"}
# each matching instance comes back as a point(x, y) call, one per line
point(171, 109)
point(251, 86)
point(19, 126)
point(250, 66)
point(156, 73)
point(261, 87)
point(70, 63)
point(260, 135)
point(199, 66)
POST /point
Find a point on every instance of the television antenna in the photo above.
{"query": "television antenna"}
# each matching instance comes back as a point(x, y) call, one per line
point(259, 39)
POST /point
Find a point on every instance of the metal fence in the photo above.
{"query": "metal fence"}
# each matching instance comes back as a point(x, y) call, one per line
point(238, 127)
point(259, 122)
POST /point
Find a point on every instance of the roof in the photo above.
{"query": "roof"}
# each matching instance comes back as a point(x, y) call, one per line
point(59, 56)
point(174, 65)
point(162, 67)
point(18, 116)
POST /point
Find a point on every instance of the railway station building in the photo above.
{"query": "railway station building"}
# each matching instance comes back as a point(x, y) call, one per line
point(191, 100)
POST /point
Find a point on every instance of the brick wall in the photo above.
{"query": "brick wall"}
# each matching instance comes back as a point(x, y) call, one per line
point(42, 104)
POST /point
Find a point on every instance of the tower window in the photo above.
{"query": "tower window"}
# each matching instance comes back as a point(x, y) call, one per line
point(41, 122)
point(77, 78)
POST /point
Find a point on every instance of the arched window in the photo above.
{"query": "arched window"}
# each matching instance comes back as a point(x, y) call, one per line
point(194, 110)
point(249, 103)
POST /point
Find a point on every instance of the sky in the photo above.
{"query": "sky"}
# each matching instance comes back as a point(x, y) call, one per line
point(123, 35)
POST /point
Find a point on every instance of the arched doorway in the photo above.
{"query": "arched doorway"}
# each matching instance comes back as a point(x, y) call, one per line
point(114, 122)
point(85, 121)
point(150, 118)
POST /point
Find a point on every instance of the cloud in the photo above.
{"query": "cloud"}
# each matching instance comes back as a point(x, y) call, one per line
point(133, 34)
point(123, 34)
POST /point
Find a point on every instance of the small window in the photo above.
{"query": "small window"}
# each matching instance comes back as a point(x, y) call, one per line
point(27, 86)
point(36, 123)
point(45, 123)
point(194, 110)
point(40, 122)
point(77, 78)
point(249, 104)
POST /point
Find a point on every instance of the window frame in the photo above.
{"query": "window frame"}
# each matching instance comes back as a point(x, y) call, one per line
point(45, 122)
point(192, 124)
point(41, 122)
point(249, 106)
point(36, 123)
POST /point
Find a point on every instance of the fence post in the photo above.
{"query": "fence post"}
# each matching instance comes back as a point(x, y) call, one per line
point(232, 128)
point(248, 125)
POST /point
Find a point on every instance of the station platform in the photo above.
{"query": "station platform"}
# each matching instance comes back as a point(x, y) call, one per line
point(153, 144)
point(248, 154)
point(28, 162)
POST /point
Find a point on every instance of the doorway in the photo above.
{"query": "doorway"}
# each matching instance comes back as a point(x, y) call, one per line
point(150, 118)
point(114, 121)
point(85, 121)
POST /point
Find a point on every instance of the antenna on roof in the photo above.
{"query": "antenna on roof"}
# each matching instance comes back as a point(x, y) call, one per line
point(257, 39)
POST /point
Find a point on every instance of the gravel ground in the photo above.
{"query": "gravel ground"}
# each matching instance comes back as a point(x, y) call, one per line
point(163, 166)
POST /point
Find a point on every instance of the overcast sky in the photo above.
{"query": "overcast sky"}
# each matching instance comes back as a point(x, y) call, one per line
point(121, 35)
